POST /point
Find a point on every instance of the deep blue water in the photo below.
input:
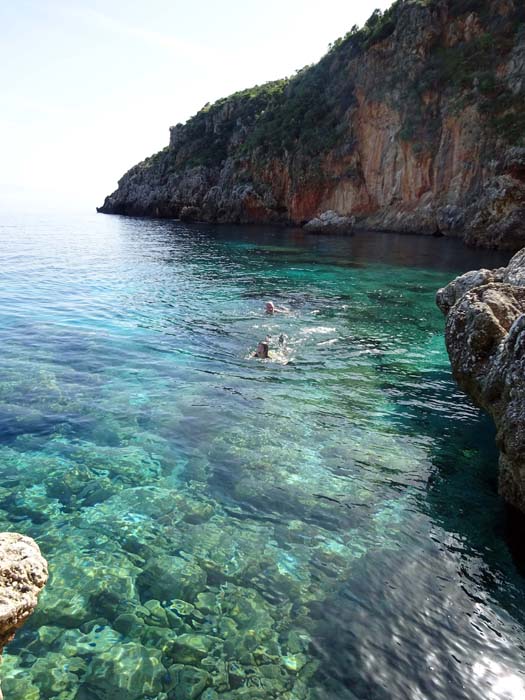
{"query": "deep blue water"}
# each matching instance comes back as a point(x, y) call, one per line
point(323, 525)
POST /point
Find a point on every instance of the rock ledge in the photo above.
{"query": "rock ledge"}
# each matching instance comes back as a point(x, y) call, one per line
point(485, 337)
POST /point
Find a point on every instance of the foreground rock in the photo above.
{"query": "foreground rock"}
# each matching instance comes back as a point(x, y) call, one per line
point(413, 123)
point(485, 336)
point(23, 574)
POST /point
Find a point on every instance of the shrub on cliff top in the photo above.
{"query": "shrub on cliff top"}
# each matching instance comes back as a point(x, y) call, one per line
point(304, 115)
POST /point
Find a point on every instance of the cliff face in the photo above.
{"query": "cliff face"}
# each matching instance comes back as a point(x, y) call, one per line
point(416, 122)
point(485, 335)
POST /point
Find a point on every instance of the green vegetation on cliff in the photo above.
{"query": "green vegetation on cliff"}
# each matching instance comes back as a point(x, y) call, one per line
point(305, 114)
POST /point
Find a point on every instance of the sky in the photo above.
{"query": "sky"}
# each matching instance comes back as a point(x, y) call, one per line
point(88, 88)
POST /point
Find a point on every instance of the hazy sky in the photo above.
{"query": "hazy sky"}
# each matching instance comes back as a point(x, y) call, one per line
point(88, 87)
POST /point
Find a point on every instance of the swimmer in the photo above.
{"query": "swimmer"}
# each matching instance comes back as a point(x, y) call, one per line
point(272, 309)
point(262, 351)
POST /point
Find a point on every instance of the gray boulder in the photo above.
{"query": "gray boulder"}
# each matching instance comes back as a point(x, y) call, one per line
point(330, 222)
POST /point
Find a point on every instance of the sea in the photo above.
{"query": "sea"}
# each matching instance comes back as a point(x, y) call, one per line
point(320, 525)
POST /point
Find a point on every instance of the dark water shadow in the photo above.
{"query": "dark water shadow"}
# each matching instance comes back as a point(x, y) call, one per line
point(277, 242)
point(396, 630)
point(461, 494)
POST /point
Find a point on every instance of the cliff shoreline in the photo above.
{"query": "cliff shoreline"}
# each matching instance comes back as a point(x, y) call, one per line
point(414, 123)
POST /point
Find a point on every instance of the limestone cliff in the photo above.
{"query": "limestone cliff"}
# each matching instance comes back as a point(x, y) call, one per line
point(416, 122)
point(485, 335)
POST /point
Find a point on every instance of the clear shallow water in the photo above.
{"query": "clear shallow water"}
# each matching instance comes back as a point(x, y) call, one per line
point(321, 526)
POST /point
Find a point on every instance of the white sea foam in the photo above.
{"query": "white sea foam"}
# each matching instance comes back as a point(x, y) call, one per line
point(321, 330)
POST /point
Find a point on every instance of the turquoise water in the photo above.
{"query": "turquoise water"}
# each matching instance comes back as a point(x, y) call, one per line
point(323, 525)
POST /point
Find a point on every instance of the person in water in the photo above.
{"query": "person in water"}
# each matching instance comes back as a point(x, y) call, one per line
point(263, 350)
point(272, 309)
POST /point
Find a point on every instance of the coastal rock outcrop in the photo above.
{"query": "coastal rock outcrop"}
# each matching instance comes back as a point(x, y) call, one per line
point(485, 336)
point(413, 123)
point(23, 574)
point(330, 222)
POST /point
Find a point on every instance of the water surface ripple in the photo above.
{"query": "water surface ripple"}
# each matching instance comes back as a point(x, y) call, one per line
point(320, 526)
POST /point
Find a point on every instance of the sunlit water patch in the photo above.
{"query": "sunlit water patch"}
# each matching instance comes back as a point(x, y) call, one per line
point(321, 525)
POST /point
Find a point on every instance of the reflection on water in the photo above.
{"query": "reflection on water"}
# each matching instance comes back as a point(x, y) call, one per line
point(321, 526)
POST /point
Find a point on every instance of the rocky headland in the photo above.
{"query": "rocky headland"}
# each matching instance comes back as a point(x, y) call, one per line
point(485, 336)
point(23, 574)
point(415, 123)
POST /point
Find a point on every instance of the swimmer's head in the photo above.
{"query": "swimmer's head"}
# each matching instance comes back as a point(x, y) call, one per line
point(270, 308)
point(262, 350)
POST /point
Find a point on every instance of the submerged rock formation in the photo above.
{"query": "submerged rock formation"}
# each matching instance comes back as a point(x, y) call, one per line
point(416, 122)
point(485, 335)
point(23, 574)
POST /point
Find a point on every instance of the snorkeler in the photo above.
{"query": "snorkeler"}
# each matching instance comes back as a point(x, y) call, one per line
point(272, 309)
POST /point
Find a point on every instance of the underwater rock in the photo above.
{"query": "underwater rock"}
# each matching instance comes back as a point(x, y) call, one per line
point(127, 466)
point(168, 577)
point(151, 501)
point(137, 533)
point(485, 336)
point(135, 672)
point(157, 614)
point(67, 484)
point(226, 551)
point(188, 682)
point(129, 625)
point(17, 684)
point(206, 602)
point(35, 504)
point(98, 640)
point(294, 662)
point(87, 585)
point(57, 676)
point(192, 648)
point(182, 607)
point(209, 694)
